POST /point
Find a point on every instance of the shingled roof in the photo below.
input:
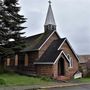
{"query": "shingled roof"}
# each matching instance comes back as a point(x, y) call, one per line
point(35, 42)
point(52, 52)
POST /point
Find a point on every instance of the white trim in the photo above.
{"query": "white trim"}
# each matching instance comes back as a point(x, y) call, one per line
point(59, 57)
point(61, 44)
point(46, 40)
point(54, 61)
point(43, 62)
point(70, 47)
point(66, 56)
point(70, 61)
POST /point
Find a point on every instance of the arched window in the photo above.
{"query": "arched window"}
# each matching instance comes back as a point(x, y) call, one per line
point(70, 61)
point(68, 56)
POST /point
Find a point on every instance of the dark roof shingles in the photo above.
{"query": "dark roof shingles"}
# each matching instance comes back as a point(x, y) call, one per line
point(52, 52)
point(34, 42)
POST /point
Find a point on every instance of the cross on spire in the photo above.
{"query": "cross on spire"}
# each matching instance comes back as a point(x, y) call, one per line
point(49, 2)
point(50, 21)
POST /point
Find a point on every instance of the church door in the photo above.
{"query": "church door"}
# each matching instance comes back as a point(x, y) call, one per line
point(61, 67)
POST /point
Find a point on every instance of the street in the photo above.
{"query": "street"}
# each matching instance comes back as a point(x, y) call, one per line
point(81, 87)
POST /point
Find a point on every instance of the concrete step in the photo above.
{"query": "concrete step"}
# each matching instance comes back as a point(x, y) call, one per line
point(63, 78)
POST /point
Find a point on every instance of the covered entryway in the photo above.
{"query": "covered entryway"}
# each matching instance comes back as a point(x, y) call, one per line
point(61, 67)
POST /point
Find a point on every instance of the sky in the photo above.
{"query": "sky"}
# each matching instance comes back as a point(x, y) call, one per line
point(72, 18)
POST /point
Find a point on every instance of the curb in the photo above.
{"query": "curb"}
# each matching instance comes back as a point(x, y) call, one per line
point(58, 86)
point(38, 87)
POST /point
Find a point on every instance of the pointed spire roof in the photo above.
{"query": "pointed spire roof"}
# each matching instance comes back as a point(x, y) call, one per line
point(50, 17)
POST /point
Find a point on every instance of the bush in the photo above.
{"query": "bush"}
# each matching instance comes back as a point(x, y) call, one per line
point(4, 70)
point(46, 78)
point(2, 82)
point(1, 69)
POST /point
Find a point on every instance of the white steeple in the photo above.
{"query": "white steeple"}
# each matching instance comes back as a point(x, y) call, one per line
point(50, 16)
point(50, 21)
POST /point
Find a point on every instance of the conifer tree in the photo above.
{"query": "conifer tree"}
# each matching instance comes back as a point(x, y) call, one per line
point(3, 30)
point(12, 41)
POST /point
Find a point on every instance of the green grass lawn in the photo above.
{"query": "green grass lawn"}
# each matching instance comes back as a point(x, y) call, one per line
point(12, 79)
point(15, 79)
point(85, 80)
point(81, 80)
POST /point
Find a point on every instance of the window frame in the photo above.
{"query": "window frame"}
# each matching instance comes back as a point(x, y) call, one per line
point(70, 65)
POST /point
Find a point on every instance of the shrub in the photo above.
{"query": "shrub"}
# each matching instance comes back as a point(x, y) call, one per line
point(46, 78)
point(2, 82)
point(4, 70)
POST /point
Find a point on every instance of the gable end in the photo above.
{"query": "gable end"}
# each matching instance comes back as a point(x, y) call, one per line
point(48, 39)
point(69, 47)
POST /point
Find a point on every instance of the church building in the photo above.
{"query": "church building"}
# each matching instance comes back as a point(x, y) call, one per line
point(46, 54)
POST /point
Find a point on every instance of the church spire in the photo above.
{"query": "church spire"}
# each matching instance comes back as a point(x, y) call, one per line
point(50, 21)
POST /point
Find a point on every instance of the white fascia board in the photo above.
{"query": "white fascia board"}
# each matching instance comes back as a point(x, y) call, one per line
point(46, 40)
point(43, 62)
point(57, 57)
point(60, 56)
point(61, 44)
point(54, 61)
point(66, 56)
point(72, 49)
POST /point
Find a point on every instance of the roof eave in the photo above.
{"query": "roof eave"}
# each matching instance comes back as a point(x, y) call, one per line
point(43, 63)
point(60, 56)
point(46, 40)
point(70, 47)
point(50, 63)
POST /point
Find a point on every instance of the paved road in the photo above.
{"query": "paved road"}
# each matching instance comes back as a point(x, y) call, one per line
point(81, 87)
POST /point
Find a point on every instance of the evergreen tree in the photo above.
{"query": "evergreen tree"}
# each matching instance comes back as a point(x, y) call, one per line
point(12, 40)
point(3, 31)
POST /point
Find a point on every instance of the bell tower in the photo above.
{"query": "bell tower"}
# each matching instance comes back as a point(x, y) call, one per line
point(50, 24)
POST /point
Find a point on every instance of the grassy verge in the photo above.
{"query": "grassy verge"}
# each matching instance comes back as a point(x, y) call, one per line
point(81, 80)
point(84, 80)
point(15, 79)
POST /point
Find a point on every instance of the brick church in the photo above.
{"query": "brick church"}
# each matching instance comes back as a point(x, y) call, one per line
point(46, 54)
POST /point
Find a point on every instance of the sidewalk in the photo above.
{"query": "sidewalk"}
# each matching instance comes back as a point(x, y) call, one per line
point(33, 87)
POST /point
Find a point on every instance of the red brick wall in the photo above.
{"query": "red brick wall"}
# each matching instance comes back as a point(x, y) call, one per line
point(55, 70)
point(33, 56)
point(45, 70)
point(52, 70)
point(67, 50)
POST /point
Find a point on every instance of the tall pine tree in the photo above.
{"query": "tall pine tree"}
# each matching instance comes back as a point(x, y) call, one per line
point(3, 30)
point(12, 41)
